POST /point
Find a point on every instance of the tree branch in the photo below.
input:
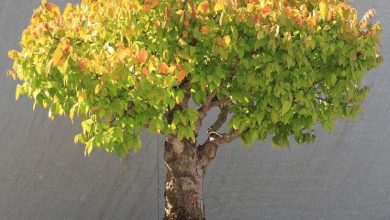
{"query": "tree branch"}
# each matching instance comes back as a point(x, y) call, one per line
point(186, 86)
point(324, 100)
point(221, 119)
point(208, 150)
point(209, 104)
point(224, 138)
point(203, 110)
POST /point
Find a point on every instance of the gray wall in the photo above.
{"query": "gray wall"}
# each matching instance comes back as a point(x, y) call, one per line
point(43, 175)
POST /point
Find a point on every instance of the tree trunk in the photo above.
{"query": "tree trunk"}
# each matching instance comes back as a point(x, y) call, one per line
point(184, 182)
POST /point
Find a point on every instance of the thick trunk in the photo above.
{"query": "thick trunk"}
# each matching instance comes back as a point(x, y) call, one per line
point(184, 182)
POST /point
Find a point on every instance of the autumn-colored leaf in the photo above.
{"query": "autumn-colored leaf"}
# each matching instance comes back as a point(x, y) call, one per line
point(13, 54)
point(300, 21)
point(181, 75)
point(267, 9)
point(187, 22)
point(61, 53)
point(346, 7)
point(157, 23)
point(204, 30)
point(219, 6)
point(227, 40)
point(203, 7)
point(171, 69)
point(155, 3)
point(331, 15)
point(82, 96)
point(53, 9)
point(120, 45)
point(116, 77)
point(145, 71)
point(163, 68)
point(287, 11)
point(312, 22)
point(147, 8)
point(256, 18)
point(83, 64)
point(168, 14)
point(250, 55)
point(142, 56)
point(219, 41)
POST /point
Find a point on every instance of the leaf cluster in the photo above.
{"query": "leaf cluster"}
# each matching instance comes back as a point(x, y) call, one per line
point(278, 66)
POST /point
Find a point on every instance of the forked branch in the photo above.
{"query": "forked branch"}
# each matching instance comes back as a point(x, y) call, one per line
point(208, 150)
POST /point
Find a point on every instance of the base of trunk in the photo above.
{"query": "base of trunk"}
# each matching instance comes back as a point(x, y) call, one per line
point(184, 183)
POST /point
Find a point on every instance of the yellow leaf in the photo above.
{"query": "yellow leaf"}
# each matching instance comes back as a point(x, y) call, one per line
point(88, 148)
point(98, 87)
point(323, 9)
point(68, 10)
point(82, 96)
point(53, 9)
point(219, 6)
point(171, 69)
point(227, 40)
point(13, 54)
point(71, 113)
point(58, 56)
point(18, 91)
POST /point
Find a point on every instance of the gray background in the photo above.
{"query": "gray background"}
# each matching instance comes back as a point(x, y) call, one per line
point(342, 176)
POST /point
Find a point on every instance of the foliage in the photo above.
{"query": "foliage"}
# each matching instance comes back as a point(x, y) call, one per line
point(279, 66)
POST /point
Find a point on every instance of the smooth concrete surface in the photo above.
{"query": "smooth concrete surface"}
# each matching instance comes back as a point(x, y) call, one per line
point(342, 176)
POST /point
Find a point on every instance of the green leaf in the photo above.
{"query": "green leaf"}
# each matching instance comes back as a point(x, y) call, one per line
point(286, 107)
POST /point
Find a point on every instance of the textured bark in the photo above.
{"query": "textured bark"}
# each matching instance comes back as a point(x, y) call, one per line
point(184, 182)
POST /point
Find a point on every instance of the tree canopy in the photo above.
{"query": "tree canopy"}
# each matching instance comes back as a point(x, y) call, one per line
point(276, 66)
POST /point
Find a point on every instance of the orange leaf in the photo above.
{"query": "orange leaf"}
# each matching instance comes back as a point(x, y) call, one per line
point(287, 12)
point(204, 30)
point(300, 21)
point(157, 23)
point(83, 64)
point(145, 71)
point(147, 8)
point(163, 68)
point(182, 75)
point(186, 22)
point(203, 7)
point(267, 9)
point(256, 19)
point(331, 15)
point(312, 22)
point(155, 2)
point(116, 77)
point(53, 9)
point(142, 56)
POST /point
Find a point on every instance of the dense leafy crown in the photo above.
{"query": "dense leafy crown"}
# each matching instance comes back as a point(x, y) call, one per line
point(278, 66)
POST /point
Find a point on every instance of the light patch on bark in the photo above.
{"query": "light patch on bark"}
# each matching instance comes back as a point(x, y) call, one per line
point(178, 146)
point(187, 183)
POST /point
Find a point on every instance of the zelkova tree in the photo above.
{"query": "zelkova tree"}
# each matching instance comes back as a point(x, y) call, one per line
point(273, 68)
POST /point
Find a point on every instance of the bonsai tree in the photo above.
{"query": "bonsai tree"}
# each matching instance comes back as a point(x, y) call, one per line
point(272, 68)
